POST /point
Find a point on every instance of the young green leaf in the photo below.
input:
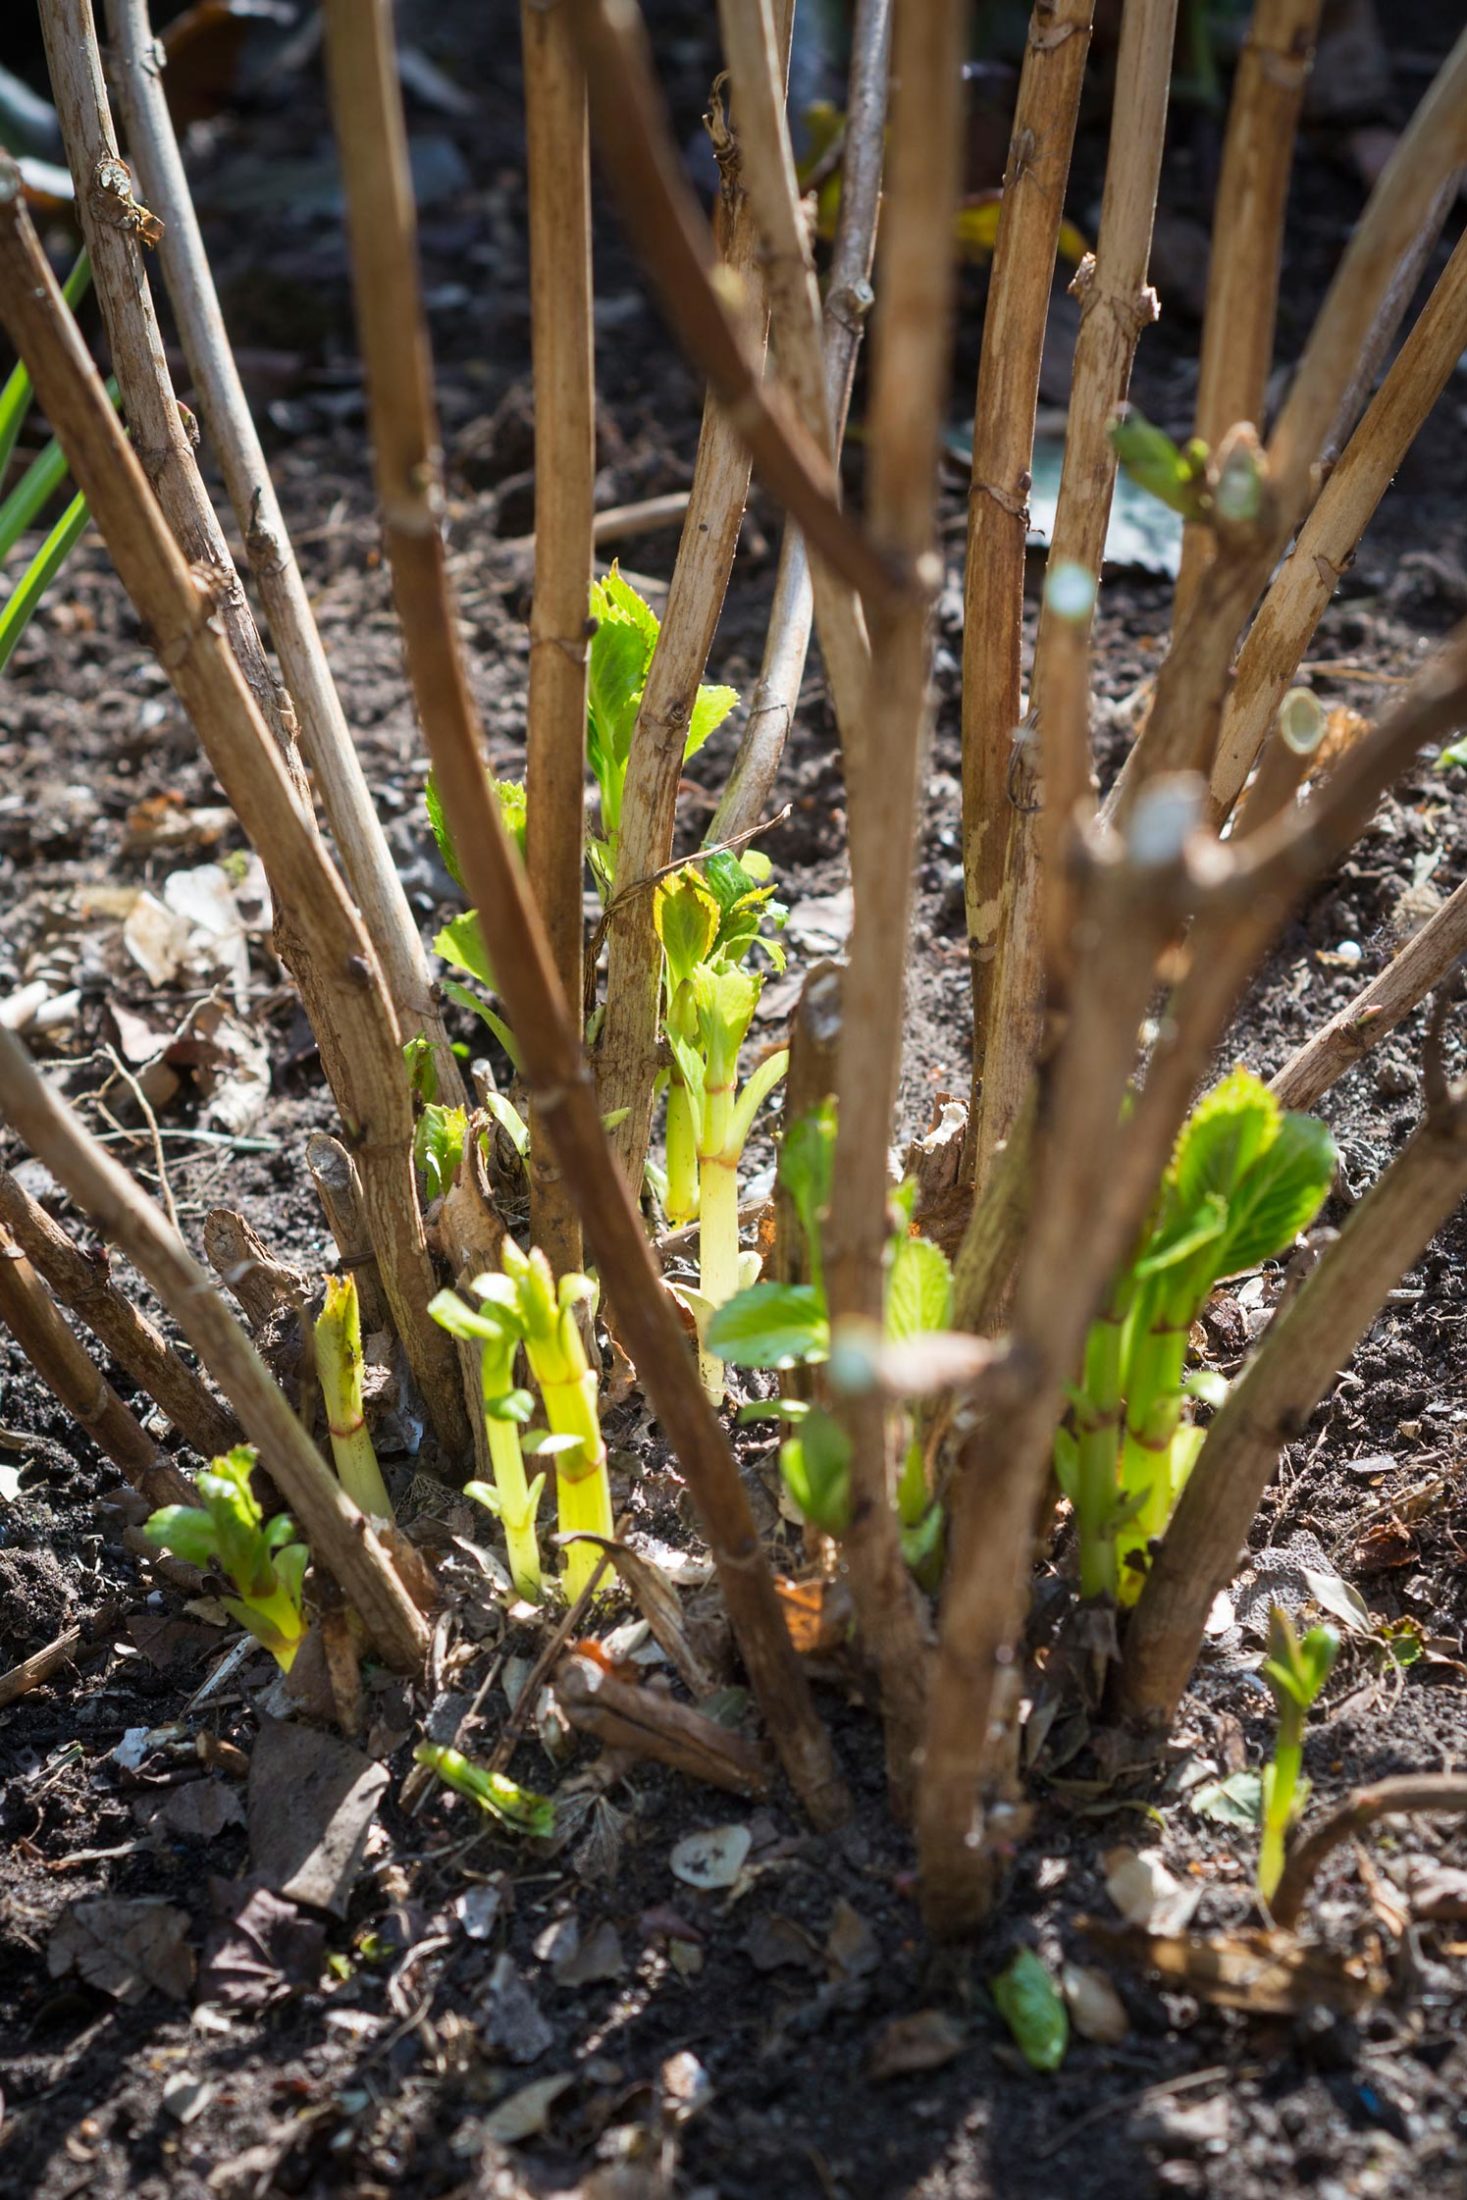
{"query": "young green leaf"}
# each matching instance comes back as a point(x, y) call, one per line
point(816, 1467)
point(1033, 2008)
point(771, 1325)
point(709, 711)
point(1221, 1139)
point(919, 1289)
point(438, 819)
point(1280, 1195)
point(438, 1146)
point(1176, 476)
point(686, 916)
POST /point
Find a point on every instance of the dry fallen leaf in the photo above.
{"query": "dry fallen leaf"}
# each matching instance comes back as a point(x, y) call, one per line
point(125, 1947)
point(923, 2041)
point(1266, 1974)
point(1145, 1892)
point(713, 1858)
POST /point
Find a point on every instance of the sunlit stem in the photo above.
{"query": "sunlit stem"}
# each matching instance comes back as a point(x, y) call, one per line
point(339, 1366)
point(718, 1249)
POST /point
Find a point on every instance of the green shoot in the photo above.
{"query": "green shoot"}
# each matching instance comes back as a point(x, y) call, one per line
point(784, 1325)
point(514, 1806)
point(512, 1498)
point(265, 1561)
point(339, 1366)
point(707, 922)
point(1244, 1179)
point(1175, 474)
point(1295, 1672)
point(620, 658)
point(524, 1305)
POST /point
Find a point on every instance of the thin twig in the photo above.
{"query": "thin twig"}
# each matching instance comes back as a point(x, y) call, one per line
point(848, 297)
point(1403, 1797)
point(145, 1109)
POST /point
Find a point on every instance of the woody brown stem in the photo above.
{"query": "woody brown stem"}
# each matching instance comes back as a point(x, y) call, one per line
point(64, 1366)
point(1301, 591)
point(82, 1283)
point(1181, 732)
point(1116, 304)
point(317, 933)
point(627, 1055)
point(1247, 241)
point(116, 226)
point(905, 418)
point(373, 144)
point(848, 295)
point(558, 157)
point(341, 1540)
point(1422, 964)
point(325, 737)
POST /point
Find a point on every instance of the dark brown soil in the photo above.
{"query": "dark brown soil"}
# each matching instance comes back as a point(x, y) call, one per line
point(375, 2071)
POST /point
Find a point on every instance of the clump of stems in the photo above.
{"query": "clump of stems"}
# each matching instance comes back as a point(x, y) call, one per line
point(1244, 1179)
point(265, 1561)
point(524, 1305)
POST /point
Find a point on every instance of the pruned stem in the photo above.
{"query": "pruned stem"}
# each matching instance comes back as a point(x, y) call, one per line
point(339, 1189)
point(1361, 1024)
point(115, 226)
point(908, 396)
point(1301, 592)
point(558, 155)
point(374, 157)
point(82, 1283)
point(1399, 1798)
point(1247, 241)
point(341, 1540)
point(1384, 1235)
point(27, 1311)
point(325, 737)
point(848, 296)
point(317, 933)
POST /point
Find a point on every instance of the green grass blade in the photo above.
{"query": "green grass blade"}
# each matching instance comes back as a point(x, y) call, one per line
point(15, 398)
point(39, 574)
